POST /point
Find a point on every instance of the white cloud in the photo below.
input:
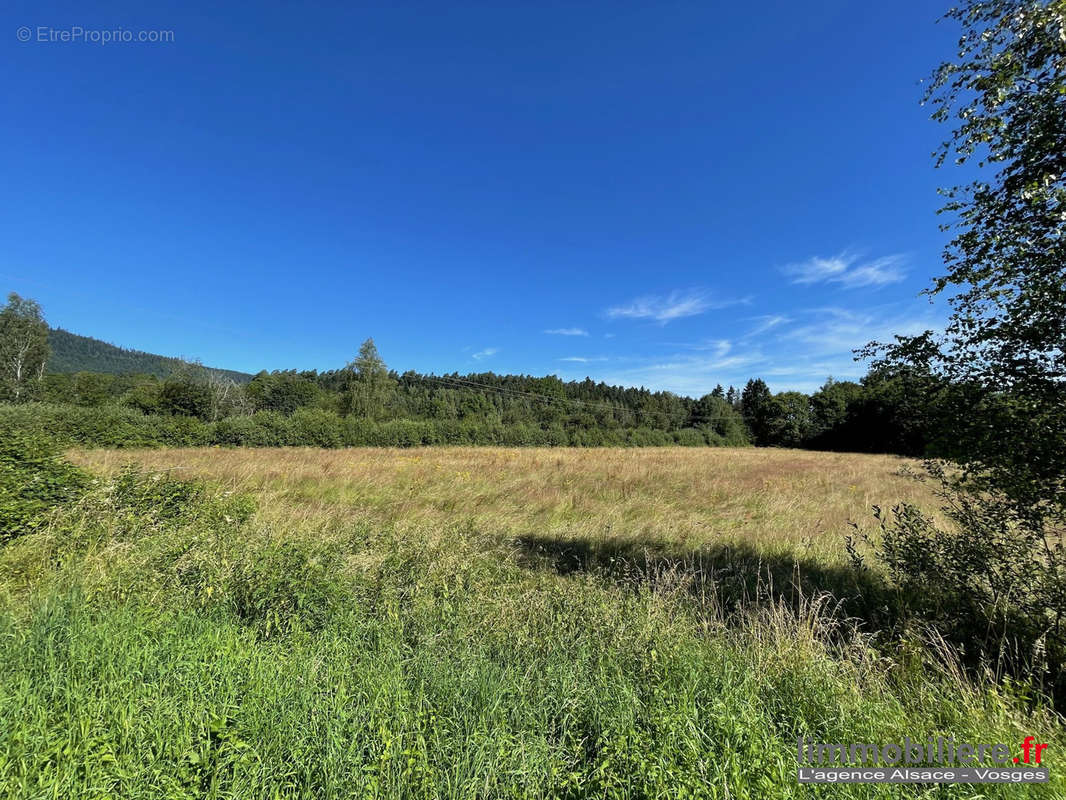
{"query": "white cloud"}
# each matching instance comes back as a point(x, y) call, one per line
point(818, 269)
point(583, 359)
point(841, 330)
point(719, 347)
point(488, 351)
point(767, 322)
point(689, 374)
point(849, 270)
point(879, 272)
point(802, 350)
point(567, 331)
point(665, 308)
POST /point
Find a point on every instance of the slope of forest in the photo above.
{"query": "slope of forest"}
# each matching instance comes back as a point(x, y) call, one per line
point(74, 353)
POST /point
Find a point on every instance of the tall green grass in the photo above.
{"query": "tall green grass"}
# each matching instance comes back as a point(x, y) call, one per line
point(159, 640)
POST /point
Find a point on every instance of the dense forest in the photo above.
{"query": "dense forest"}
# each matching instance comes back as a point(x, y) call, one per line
point(91, 393)
point(73, 353)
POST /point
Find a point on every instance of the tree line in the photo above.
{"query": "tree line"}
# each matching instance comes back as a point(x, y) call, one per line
point(881, 413)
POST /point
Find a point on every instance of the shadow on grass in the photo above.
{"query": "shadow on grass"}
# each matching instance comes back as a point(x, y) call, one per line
point(728, 581)
point(726, 578)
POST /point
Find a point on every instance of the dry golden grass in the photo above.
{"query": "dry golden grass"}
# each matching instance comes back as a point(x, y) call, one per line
point(613, 623)
point(786, 499)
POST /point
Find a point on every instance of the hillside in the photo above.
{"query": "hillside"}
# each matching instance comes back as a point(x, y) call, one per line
point(74, 353)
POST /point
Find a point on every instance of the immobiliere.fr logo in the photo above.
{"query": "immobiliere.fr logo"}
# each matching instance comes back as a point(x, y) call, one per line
point(933, 760)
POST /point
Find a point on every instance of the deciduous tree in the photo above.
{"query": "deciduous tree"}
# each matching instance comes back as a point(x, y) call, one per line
point(23, 347)
point(1004, 347)
point(369, 386)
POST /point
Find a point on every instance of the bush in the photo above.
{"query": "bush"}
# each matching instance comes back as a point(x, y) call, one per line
point(263, 429)
point(316, 428)
point(990, 583)
point(167, 431)
point(690, 437)
point(154, 495)
point(136, 503)
point(105, 426)
point(647, 437)
point(33, 480)
point(274, 429)
point(405, 433)
point(187, 397)
point(119, 426)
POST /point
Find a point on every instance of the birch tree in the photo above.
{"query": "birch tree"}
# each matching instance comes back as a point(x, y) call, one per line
point(23, 347)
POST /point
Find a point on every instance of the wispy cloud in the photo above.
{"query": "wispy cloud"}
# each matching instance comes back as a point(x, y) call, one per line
point(719, 347)
point(486, 353)
point(665, 308)
point(849, 270)
point(567, 331)
point(583, 359)
point(767, 322)
point(841, 330)
point(797, 351)
point(686, 373)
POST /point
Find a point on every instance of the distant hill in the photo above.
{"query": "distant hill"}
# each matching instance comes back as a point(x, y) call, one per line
point(74, 353)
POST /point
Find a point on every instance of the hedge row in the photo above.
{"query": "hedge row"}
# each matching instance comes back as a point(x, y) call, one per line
point(111, 426)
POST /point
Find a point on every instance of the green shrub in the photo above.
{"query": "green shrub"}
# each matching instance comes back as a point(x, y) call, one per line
point(404, 433)
point(647, 437)
point(263, 429)
point(33, 479)
point(154, 494)
point(167, 431)
point(987, 582)
point(690, 437)
point(315, 427)
point(275, 430)
point(136, 504)
point(104, 426)
point(120, 426)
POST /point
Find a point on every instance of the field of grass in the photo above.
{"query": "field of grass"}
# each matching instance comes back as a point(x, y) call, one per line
point(686, 496)
point(462, 622)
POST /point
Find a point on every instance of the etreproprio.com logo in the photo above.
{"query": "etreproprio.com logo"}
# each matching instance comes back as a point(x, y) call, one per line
point(74, 34)
point(933, 760)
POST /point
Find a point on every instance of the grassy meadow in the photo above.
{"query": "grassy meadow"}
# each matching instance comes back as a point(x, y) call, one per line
point(687, 497)
point(468, 622)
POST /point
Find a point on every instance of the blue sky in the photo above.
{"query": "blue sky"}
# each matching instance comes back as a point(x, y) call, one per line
point(663, 194)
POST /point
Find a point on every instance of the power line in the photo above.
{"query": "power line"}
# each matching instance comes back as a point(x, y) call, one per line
point(551, 398)
point(465, 383)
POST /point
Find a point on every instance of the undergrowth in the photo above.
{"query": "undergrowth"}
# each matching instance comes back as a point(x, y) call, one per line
point(161, 638)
